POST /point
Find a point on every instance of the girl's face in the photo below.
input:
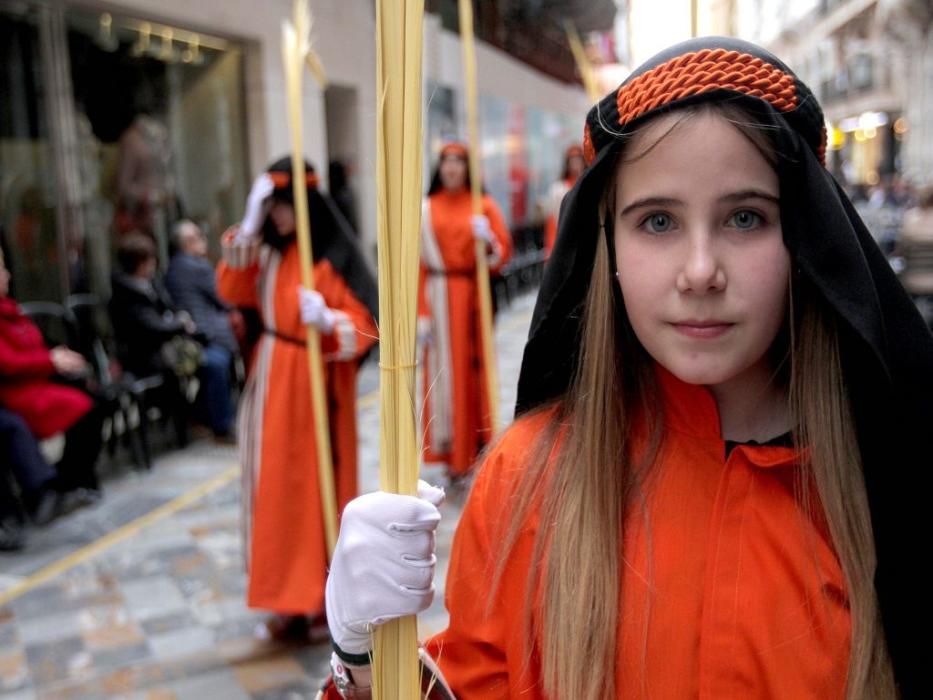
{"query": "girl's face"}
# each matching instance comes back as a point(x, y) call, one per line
point(453, 172)
point(283, 216)
point(702, 266)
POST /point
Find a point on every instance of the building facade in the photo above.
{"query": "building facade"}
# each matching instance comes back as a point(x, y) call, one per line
point(870, 63)
point(128, 115)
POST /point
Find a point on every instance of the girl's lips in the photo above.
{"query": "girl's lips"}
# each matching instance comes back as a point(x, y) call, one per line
point(703, 329)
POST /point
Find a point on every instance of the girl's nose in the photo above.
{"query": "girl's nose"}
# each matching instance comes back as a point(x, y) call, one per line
point(701, 271)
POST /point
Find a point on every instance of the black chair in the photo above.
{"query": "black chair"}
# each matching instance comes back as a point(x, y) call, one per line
point(52, 320)
point(130, 395)
point(162, 390)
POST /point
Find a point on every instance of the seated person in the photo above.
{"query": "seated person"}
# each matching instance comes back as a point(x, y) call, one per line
point(191, 282)
point(27, 388)
point(152, 336)
point(141, 310)
point(21, 460)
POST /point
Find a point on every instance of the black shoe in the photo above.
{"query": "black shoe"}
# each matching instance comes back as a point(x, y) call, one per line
point(80, 498)
point(284, 629)
point(44, 504)
point(318, 631)
point(225, 438)
point(12, 535)
point(45, 508)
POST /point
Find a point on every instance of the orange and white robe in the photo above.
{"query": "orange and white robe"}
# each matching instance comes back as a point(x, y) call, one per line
point(283, 525)
point(456, 408)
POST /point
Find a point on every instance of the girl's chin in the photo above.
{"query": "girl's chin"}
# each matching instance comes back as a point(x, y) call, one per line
point(701, 375)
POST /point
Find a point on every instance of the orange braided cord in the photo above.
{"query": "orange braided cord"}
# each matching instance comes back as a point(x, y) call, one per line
point(704, 71)
point(281, 180)
point(589, 152)
point(455, 149)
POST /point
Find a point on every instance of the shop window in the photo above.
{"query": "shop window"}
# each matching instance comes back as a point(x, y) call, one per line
point(28, 233)
point(159, 111)
point(111, 124)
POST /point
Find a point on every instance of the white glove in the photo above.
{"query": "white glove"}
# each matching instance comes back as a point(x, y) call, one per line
point(383, 564)
point(424, 334)
point(257, 207)
point(481, 228)
point(314, 311)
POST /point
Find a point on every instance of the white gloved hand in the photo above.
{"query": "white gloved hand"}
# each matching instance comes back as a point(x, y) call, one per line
point(383, 564)
point(424, 333)
point(257, 207)
point(315, 311)
point(481, 228)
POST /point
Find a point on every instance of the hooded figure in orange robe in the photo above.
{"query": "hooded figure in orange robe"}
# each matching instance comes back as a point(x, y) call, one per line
point(456, 408)
point(283, 523)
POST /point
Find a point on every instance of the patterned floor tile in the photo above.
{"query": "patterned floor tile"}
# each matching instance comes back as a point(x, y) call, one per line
point(154, 597)
point(14, 672)
point(162, 615)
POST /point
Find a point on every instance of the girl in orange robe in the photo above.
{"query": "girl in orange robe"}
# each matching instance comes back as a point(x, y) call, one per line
point(282, 517)
point(456, 408)
point(716, 486)
point(573, 166)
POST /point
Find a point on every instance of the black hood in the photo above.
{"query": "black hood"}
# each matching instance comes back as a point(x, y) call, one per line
point(331, 235)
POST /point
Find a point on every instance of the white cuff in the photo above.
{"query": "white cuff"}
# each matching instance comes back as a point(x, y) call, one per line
point(345, 333)
point(239, 254)
point(494, 257)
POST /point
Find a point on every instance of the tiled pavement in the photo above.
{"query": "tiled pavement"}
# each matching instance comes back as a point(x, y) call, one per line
point(160, 614)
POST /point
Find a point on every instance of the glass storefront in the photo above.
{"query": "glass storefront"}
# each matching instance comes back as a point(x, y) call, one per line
point(28, 217)
point(111, 124)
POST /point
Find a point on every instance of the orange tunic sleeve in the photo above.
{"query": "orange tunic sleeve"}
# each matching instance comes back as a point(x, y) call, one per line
point(238, 271)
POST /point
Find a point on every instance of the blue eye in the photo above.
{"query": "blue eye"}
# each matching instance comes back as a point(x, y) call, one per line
point(658, 223)
point(746, 220)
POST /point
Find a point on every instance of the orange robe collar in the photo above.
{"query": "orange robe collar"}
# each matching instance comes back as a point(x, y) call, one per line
point(691, 409)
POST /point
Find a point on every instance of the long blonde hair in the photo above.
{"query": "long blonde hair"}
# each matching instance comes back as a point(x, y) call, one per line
point(584, 476)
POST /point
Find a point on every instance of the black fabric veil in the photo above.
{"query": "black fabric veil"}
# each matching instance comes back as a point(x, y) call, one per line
point(331, 235)
point(886, 347)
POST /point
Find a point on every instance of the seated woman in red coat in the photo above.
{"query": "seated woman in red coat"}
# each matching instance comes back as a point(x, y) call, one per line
point(27, 387)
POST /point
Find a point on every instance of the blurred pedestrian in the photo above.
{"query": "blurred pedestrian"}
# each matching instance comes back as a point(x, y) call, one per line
point(573, 166)
point(915, 247)
point(282, 513)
